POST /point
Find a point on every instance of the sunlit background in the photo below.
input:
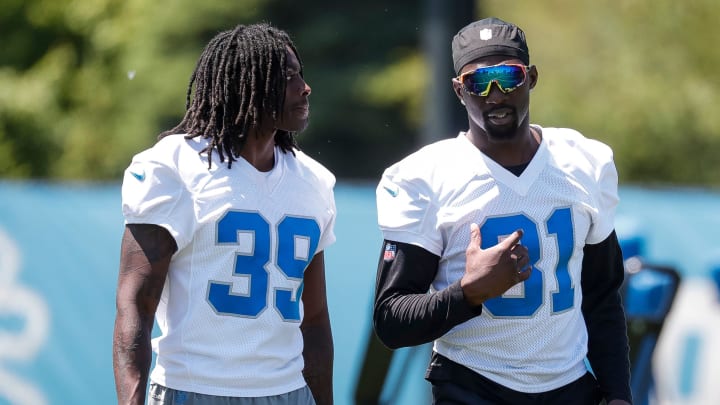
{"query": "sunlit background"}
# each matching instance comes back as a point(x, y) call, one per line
point(85, 84)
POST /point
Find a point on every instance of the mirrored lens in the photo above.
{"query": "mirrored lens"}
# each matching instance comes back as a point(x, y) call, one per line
point(508, 77)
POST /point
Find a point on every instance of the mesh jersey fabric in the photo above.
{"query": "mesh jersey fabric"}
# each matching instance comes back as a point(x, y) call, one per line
point(230, 310)
point(533, 338)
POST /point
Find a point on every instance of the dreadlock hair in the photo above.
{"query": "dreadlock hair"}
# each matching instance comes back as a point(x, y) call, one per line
point(240, 76)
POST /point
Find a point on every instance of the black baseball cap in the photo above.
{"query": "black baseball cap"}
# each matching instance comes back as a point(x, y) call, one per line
point(488, 37)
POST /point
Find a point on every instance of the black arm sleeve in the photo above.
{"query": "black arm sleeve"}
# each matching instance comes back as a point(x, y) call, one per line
point(608, 351)
point(405, 313)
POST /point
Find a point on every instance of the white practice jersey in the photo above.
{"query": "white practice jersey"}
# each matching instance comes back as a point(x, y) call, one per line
point(231, 307)
point(533, 338)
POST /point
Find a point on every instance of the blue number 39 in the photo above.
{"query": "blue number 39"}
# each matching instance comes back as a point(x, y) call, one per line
point(253, 265)
point(559, 224)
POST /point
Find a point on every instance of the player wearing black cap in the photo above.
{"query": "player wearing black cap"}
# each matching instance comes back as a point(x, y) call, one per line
point(510, 227)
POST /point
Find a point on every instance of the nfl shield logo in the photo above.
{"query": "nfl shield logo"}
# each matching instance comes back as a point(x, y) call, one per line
point(390, 250)
point(485, 34)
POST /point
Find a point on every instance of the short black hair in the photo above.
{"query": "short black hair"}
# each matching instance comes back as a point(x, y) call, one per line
point(241, 75)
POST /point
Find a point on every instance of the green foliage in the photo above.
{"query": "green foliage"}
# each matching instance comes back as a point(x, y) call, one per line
point(94, 82)
point(85, 85)
point(348, 49)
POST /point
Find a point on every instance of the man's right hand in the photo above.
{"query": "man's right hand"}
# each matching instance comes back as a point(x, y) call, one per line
point(492, 271)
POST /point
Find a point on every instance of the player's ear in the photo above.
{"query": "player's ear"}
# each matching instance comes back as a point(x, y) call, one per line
point(457, 88)
point(533, 75)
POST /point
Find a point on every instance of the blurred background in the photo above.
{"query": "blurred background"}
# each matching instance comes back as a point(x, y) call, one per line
point(86, 84)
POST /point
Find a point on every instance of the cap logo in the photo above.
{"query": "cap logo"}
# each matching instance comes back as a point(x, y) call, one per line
point(485, 34)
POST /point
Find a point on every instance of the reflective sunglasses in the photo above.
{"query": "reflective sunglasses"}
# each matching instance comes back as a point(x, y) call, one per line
point(507, 77)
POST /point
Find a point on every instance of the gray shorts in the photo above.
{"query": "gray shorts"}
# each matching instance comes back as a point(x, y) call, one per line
point(160, 395)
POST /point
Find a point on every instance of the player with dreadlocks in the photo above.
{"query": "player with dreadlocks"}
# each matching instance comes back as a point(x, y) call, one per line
point(228, 257)
point(226, 110)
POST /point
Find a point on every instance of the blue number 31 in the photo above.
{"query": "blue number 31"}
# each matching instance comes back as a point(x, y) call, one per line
point(253, 265)
point(559, 224)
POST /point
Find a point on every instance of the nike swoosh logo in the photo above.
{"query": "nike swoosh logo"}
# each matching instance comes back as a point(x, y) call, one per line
point(392, 192)
point(139, 176)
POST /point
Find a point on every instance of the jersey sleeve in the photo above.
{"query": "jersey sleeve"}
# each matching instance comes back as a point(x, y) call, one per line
point(606, 195)
point(153, 193)
point(406, 210)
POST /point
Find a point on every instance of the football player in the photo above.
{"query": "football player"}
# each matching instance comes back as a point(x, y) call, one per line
point(499, 246)
point(226, 224)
